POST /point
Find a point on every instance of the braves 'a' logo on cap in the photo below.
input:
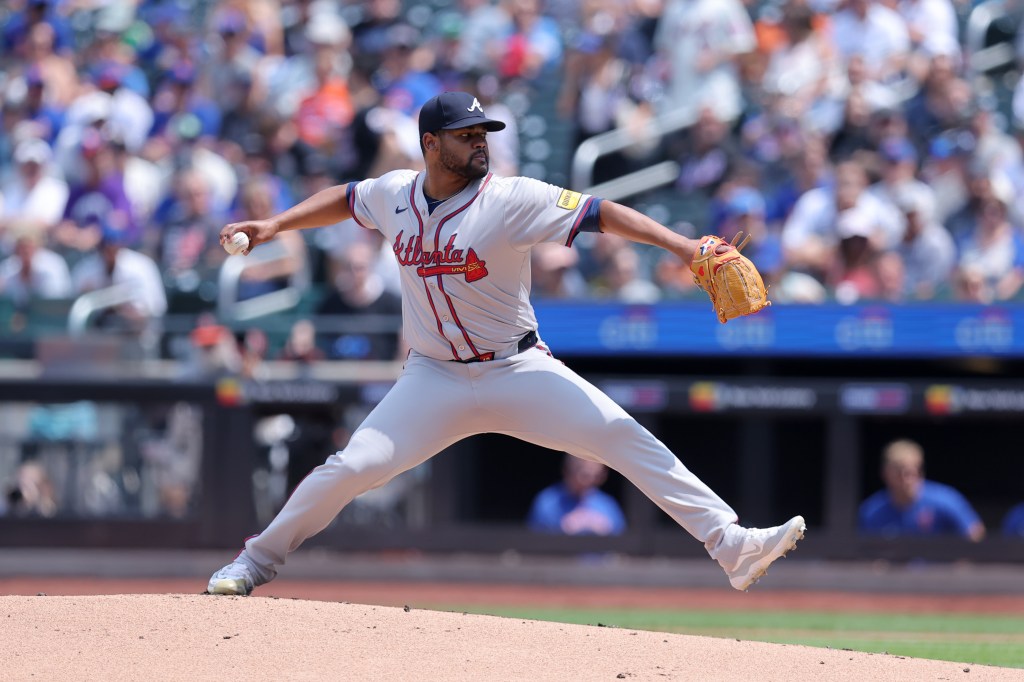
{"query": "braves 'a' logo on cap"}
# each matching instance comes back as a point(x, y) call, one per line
point(476, 106)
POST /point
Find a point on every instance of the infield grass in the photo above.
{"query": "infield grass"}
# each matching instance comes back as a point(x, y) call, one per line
point(969, 638)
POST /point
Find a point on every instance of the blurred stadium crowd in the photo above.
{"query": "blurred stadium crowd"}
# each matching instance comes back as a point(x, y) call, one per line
point(871, 147)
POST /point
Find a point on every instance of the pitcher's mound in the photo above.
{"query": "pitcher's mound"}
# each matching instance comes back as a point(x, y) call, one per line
point(188, 637)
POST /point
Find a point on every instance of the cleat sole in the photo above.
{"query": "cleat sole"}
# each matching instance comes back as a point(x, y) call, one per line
point(229, 586)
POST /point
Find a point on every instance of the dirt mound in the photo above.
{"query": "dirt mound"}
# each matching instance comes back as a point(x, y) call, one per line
point(165, 637)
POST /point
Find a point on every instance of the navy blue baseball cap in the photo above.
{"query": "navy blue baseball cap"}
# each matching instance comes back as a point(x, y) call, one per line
point(451, 110)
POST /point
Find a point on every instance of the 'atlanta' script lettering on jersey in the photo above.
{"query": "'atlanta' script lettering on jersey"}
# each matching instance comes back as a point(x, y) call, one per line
point(447, 261)
point(411, 252)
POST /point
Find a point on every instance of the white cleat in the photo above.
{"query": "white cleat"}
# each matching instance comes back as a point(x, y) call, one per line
point(233, 579)
point(761, 547)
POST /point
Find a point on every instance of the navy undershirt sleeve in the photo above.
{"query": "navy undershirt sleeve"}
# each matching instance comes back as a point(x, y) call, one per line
point(591, 221)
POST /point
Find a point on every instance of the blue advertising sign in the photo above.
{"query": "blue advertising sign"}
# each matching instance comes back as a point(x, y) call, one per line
point(932, 330)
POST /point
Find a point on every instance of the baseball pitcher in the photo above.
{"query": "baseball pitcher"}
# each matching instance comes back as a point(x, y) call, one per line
point(462, 237)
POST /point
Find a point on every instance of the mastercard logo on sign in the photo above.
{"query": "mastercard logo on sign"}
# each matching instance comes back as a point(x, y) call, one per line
point(938, 399)
point(229, 392)
point(703, 397)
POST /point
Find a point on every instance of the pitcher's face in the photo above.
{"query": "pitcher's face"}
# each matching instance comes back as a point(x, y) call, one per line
point(464, 151)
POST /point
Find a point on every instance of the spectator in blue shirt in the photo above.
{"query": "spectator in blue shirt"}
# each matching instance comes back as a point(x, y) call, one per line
point(576, 505)
point(912, 505)
point(1013, 524)
point(19, 25)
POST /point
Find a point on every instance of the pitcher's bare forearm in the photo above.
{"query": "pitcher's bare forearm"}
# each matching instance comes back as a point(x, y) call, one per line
point(326, 207)
point(635, 226)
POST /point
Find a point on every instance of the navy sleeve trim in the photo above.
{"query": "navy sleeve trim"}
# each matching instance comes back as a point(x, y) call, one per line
point(350, 197)
point(589, 219)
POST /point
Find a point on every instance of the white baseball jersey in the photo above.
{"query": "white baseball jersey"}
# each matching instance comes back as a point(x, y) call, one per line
point(466, 267)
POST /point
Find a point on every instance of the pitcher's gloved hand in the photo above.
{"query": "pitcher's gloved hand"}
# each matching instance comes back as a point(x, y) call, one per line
point(729, 278)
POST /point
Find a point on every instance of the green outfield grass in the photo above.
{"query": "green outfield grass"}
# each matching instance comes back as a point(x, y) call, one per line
point(969, 638)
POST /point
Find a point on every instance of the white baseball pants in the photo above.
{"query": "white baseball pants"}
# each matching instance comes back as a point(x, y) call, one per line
point(530, 396)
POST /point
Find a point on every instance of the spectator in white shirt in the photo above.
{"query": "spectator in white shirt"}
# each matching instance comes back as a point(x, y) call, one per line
point(699, 42)
point(130, 113)
point(805, 69)
point(33, 194)
point(114, 265)
point(927, 250)
point(932, 27)
point(899, 171)
point(994, 148)
point(809, 237)
point(480, 47)
point(868, 28)
point(991, 264)
point(33, 271)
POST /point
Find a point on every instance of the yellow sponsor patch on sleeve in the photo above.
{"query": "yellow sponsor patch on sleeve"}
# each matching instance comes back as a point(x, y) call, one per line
point(569, 200)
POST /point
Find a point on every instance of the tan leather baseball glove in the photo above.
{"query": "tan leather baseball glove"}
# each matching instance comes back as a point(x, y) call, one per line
point(729, 278)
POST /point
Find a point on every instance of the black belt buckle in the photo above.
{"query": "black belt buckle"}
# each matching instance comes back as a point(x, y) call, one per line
point(525, 344)
point(528, 341)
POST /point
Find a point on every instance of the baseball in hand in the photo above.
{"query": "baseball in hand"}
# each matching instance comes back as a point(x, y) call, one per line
point(238, 243)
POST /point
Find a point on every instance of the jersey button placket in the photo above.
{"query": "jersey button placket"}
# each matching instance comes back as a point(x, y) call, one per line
point(432, 292)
